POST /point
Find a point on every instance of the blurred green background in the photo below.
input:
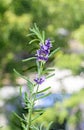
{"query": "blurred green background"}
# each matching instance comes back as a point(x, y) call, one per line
point(63, 22)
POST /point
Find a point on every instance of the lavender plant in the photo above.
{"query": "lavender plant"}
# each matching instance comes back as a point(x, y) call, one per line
point(41, 57)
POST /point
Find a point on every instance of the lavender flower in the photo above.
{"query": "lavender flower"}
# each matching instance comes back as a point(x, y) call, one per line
point(43, 52)
point(48, 43)
point(39, 80)
point(42, 55)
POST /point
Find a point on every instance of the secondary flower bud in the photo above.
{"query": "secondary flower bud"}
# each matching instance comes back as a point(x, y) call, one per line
point(39, 80)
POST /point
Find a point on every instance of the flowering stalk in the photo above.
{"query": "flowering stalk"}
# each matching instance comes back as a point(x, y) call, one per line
point(41, 57)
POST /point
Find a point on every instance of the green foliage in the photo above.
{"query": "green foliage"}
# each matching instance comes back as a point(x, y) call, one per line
point(67, 61)
point(61, 111)
point(21, 6)
point(75, 99)
point(78, 34)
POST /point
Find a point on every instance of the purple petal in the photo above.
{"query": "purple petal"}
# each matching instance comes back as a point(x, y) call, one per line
point(44, 47)
point(43, 53)
point(48, 43)
point(39, 80)
point(42, 58)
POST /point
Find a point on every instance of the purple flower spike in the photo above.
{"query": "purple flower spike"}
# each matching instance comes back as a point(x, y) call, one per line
point(39, 80)
point(43, 52)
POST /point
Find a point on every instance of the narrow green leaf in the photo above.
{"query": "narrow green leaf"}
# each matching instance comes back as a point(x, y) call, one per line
point(44, 90)
point(24, 77)
point(49, 125)
point(34, 127)
point(26, 96)
point(37, 116)
point(31, 30)
point(28, 59)
point(49, 76)
point(24, 126)
point(46, 71)
point(19, 117)
point(29, 83)
point(20, 74)
point(29, 68)
point(27, 101)
point(30, 86)
point(30, 34)
point(50, 69)
point(41, 126)
point(24, 117)
point(37, 64)
point(43, 96)
point(35, 25)
point(53, 52)
point(33, 41)
point(28, 105)
point(36, 31)
point(38, 67)
point(38, 110)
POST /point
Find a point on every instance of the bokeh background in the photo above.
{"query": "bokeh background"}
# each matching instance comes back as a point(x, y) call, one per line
point(63, 22)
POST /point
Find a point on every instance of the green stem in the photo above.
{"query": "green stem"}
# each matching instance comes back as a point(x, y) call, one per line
point(40, 69)
point(29, 119)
